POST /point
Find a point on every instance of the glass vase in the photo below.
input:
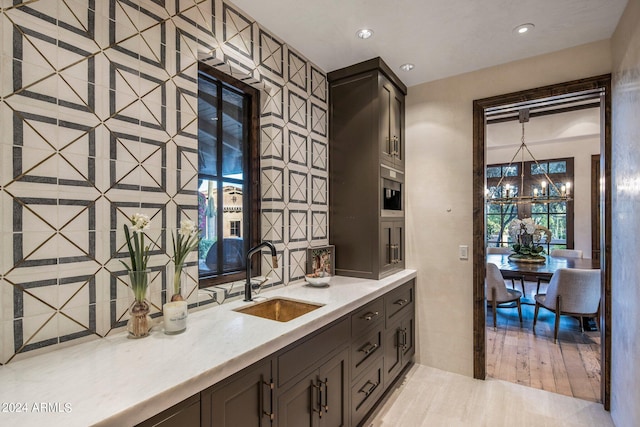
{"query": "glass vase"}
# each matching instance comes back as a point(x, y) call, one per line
point(179, 283)
point(139, 322)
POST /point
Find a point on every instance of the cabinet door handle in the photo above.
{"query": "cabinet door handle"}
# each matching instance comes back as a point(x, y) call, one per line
point(371, 388)
point(401, 302)
point(318, 399)
point(370, 315)
point(269, 413)
point(404, 338)
point(326, 394)
point(369, 348)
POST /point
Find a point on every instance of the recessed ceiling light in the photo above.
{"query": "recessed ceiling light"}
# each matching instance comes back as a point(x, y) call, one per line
point(523, 29)
point(407, 67)
point(364, 33)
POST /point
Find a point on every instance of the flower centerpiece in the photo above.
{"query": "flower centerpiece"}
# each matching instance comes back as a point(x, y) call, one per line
point(184, 242)
point(139, 324)
point(526, 235)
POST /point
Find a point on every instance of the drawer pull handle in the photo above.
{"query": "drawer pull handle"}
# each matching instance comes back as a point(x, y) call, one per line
point(370, 315)
point(401, 302)
point(371, 388)
point(370, 349)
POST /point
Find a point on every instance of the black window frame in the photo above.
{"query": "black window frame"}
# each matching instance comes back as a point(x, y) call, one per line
point(530, 182)
point(251, 176)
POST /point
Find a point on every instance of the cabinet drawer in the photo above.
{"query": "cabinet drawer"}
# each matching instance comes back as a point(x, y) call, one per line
point(312, 350)
point(397, 301)
point(367, 317)
point(366, 392)
point(365, 351)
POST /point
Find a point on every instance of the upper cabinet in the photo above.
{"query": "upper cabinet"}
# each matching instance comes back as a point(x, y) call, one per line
point(391, 124)
point(366, 169)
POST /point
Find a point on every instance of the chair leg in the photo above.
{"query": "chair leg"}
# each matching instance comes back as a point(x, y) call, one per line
point(519, 311)
point(535, 314)
point(581, 323)
point(494, 305)
point(538, 287)
point(557, 325)
point(524, 292)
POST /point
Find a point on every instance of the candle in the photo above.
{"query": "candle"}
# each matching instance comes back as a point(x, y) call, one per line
point(508, 189)
point(563, 190)
point(568, 185)
point(175, 317)
point(543, 186)
point(535, 192)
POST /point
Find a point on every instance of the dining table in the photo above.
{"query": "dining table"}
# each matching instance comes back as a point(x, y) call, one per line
point(545, 270)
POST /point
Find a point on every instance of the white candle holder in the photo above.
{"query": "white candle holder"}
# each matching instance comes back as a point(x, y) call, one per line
point(175, 317)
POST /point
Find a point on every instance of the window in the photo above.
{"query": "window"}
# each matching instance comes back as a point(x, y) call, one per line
point(234, 228)
point(228, 205)
point(557, 217)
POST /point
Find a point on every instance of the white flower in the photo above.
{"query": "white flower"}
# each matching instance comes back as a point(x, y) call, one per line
point(140, 222)
point(187, 228)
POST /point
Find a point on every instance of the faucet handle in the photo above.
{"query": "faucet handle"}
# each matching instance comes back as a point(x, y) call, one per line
point(274, 261)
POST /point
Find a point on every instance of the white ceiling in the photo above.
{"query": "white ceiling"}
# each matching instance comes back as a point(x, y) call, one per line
point(441, 37)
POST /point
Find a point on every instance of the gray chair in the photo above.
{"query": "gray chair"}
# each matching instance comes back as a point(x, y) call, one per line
point(571, 291)
point(503, 250)
point(565, 253)
point(498, 294)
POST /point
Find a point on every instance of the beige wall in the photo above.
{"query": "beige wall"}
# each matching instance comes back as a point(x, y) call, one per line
point(439, 199)
point(625, 345)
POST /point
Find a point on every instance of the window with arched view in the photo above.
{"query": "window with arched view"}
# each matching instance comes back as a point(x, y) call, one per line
point(557, 216)
point(225, 164)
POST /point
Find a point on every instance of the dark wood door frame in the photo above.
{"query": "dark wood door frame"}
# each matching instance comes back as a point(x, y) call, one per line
point(602, 83)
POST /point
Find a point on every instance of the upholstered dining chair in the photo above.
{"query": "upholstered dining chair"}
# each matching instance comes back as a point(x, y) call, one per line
point(565, 253)
point(506, 250)
point(571, 291)
point(498, 294)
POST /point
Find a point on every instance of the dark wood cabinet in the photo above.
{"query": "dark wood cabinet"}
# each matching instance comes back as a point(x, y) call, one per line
point(391, 124)
point(246, 399)
point(319, 398)
point(366, 161)
point(333, 377)
point(183, 414)
point(399, 346)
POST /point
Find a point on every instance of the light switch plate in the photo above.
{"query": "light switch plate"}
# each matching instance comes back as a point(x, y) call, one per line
point(463, 252)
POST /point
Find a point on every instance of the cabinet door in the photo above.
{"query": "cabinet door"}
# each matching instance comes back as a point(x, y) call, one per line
point(391, 246)
point(391, 124)
point(396, 125)
point(318, 399)
point(332, 377)
point(399, 347)
point(245, 400)
point(184, 414)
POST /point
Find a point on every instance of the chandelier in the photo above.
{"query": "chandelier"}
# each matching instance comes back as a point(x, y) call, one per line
point(549, 191)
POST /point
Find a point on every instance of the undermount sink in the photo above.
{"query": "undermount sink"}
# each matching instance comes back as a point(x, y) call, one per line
point(280, 309)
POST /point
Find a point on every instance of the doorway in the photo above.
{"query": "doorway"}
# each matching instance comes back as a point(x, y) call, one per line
point(600, 88)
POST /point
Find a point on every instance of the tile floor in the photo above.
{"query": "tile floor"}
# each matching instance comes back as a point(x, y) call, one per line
point(431, 397)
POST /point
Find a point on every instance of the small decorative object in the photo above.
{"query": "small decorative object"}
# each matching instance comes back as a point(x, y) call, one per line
point(318, 281)
point(320, 261)
point(175, 317)
point(186, 241)
point(139, 321)
point(526, 235)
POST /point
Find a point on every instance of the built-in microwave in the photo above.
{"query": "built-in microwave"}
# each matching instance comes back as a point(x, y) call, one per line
point(392, 183)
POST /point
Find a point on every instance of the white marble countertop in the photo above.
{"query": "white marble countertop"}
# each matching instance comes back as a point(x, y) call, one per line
point(117, 381)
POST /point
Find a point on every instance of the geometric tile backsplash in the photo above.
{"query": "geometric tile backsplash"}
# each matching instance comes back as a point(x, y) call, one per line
point(98, 120)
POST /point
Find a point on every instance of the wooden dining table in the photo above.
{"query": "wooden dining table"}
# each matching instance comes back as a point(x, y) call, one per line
point(544, 270)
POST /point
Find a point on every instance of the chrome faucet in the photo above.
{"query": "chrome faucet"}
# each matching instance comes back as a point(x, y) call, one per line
point(274, 263)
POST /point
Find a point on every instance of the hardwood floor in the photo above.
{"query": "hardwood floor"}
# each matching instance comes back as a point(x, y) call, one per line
point(570, 367)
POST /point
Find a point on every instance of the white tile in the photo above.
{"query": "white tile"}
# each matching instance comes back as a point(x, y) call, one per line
point(431, 397)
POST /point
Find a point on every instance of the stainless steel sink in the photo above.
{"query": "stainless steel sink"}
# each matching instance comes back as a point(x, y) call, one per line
point(280, 309)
